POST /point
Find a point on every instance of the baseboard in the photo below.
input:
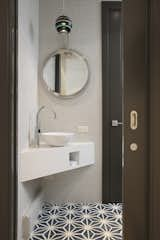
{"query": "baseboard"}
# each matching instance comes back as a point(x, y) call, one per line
point(30, 216)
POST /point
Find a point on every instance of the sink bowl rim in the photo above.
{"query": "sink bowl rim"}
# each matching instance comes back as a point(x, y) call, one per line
point(57, 134)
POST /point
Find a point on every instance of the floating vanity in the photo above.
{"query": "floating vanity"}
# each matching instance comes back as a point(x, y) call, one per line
point(46, 161)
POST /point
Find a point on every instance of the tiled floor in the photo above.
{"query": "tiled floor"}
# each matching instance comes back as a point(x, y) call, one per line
point(78, 221)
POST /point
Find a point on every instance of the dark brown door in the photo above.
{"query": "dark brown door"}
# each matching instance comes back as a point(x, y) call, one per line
point(136, 79)
point(112, 102)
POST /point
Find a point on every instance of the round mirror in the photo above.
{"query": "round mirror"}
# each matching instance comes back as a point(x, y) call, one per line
point(65, 73)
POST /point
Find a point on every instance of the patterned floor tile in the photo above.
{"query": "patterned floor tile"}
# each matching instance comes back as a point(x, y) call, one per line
point(77, 221)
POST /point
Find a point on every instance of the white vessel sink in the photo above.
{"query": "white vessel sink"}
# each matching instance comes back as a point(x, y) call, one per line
point(56, 138)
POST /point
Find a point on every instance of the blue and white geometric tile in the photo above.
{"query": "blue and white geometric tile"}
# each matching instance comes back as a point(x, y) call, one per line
point(77, 221)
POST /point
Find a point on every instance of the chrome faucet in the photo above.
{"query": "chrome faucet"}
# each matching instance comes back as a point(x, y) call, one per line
point(37, 129)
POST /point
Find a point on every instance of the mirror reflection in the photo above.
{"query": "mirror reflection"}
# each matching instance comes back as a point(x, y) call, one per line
point(65, 73)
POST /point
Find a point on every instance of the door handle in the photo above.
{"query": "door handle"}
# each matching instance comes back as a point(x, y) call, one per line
point(133, 120)
point(116, 123)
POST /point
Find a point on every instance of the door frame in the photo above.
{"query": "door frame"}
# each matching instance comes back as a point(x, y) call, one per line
point(8, 119)
point(154, 164)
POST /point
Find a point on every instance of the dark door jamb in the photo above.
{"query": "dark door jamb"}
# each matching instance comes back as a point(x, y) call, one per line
point(8, 106)
point(154, 167)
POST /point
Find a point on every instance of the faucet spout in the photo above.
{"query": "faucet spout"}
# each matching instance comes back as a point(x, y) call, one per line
point(37, 128)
